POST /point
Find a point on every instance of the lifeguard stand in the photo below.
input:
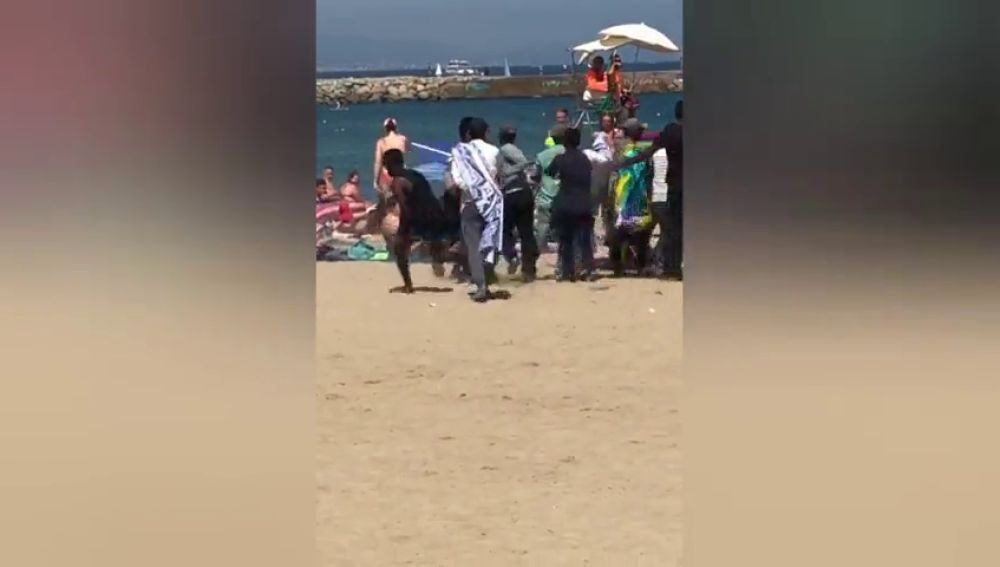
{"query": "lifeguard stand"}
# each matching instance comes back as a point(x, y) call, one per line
point(589, 112)
point(640, 36)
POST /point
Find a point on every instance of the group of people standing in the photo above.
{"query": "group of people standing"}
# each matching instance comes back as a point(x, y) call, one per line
point(495, 196)
point(632, 191)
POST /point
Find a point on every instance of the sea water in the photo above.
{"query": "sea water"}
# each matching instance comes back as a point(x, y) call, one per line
point(346, 139)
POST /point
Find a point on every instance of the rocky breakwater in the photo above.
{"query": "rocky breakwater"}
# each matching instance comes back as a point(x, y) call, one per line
point(388, 89)
point(394, 89)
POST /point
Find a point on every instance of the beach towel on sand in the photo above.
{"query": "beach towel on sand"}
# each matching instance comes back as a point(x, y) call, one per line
point(472, 167)
point(364, 251)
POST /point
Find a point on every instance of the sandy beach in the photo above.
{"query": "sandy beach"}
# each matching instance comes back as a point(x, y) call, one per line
point(540, 430)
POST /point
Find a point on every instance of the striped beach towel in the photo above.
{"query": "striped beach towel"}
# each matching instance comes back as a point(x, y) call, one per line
point(475, 176)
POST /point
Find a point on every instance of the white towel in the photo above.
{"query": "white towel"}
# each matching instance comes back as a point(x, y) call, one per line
point(476, 177)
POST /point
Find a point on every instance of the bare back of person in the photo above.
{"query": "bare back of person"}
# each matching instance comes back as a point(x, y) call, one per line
point(394, 141)
point(391, 140)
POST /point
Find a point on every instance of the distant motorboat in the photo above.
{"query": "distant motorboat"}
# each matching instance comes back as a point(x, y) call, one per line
point(461, 68)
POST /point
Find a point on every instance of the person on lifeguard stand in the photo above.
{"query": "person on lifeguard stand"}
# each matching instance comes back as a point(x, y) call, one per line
point(616, 84)
point(597, 81)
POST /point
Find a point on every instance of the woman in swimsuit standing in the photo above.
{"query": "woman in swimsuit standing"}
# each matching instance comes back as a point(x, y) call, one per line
point(392, 140)
point(386, 217)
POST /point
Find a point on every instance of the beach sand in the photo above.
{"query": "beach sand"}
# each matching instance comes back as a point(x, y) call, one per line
point(540, 430)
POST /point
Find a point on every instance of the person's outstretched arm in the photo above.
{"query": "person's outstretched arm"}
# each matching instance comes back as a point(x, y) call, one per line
point(536, 172)
point(641, 157)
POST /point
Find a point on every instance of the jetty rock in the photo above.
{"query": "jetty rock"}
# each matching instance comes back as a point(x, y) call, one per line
point(354, 90)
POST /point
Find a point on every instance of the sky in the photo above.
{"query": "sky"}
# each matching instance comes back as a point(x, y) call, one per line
point(424, 32)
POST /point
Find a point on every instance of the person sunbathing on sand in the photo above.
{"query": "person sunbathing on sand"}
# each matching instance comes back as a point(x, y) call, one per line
point(350, 192)
point(323, 192)
point(331, 185)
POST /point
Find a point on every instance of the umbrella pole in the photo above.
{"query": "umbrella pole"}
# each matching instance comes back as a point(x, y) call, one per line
point(634, 63)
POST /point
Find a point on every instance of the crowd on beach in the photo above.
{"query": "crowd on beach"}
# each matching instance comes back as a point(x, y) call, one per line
point(496, 197)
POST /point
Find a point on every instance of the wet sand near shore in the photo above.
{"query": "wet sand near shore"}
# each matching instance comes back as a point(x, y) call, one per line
point(539, 430)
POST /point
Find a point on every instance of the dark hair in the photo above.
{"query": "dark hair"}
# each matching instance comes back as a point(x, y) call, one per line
point(392, 158)
point(320, 181)
point(463, 127)
point(390, 125)
point(597, 59)
point(507, 135)
point(478, 128)
point(326, 167)
point(679, 110)
point(572, 138)
point(563, 110)
point(353, 173)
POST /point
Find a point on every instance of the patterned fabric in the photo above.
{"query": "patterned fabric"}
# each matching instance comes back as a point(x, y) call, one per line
point(543, 223)
point(602, 146)
point(601, 155)
point(476, 177)
point(630, 199)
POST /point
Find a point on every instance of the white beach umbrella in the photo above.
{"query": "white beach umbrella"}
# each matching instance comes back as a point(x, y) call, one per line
point(598, 45)
point(639, 35)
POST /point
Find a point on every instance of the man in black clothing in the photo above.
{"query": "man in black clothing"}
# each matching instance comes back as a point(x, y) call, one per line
point(572, 214)
point(420, 217)
point(671, 139)
point(518, 205)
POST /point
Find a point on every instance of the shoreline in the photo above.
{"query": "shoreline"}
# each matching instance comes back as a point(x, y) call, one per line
point(351, 91)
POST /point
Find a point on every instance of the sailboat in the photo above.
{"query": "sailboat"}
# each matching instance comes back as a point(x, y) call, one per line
point(506, 67)
point(437, 71)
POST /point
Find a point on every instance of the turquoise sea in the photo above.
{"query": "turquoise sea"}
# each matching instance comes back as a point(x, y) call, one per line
point(346, 138)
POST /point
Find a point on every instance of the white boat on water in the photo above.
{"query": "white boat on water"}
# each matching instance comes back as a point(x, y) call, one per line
point(437, 71)
point(460, 67)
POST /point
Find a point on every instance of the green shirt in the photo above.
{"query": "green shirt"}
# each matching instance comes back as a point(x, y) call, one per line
point(550, 185)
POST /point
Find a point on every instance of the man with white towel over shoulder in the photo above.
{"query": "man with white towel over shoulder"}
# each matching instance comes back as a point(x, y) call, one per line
point(473, 169)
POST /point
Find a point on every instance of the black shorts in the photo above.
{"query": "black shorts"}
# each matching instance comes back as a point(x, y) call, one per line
point(424, 229)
